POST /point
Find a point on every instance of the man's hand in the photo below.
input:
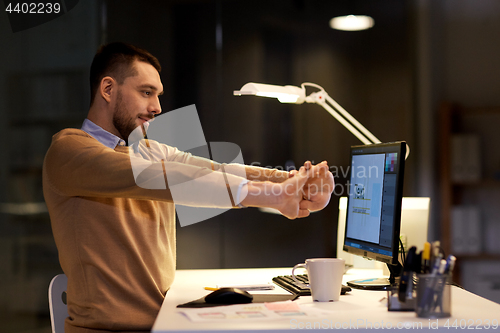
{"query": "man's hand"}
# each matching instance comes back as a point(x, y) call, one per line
point(318, 188)
point(292, 192)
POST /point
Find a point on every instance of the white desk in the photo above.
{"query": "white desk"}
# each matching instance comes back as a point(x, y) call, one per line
point(358, 309)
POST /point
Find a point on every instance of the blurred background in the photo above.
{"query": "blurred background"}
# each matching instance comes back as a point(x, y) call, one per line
point(428, 72)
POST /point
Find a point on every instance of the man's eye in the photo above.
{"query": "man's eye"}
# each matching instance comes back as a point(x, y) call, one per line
point(147, 93)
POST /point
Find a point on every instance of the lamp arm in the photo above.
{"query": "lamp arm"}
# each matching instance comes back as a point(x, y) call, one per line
point(321, 97)
point(344, 122)
point(353, 120)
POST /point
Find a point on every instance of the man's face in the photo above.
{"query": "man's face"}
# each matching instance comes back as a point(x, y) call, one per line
point(137, 99)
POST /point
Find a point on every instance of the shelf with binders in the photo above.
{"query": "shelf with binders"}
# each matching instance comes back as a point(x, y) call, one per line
point(469, 175)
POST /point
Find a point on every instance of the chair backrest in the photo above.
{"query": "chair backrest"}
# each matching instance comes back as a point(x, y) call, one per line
point(57, 303)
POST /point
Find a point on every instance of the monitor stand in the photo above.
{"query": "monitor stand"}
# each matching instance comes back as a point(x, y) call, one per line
point(379, 283)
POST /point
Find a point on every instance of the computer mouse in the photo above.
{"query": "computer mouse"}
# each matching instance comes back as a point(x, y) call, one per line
point(228, 296)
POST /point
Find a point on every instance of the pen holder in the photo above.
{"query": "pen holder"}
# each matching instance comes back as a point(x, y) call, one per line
point(433, 296)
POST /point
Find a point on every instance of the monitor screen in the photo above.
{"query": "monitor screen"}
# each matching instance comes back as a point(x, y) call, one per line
point(375, 194)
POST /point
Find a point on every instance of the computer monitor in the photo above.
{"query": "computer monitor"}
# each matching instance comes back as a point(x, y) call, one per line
point(373, 217)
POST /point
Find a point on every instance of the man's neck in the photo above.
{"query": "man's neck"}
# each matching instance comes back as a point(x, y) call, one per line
point(101, 117)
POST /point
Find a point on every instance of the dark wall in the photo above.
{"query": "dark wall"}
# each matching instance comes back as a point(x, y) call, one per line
point(207, 50)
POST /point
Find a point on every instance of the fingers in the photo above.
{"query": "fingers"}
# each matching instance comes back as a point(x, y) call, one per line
point(301, 179)
point(303, 174)
point(305, 204)
point(320, 169)
point(308, 163)
point(323, 167)
point(303, 213)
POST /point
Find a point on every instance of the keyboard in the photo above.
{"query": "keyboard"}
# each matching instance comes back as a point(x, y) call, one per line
point(288, 283)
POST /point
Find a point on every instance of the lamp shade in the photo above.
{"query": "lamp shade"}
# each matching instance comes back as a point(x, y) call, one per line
point(284, 94)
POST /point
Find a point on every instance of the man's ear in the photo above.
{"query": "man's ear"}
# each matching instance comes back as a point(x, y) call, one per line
point(107, 88)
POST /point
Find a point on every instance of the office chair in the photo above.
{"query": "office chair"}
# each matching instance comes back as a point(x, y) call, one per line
point(57, 302)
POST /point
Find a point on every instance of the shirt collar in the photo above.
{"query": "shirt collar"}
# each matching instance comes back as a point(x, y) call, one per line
point(106, 138)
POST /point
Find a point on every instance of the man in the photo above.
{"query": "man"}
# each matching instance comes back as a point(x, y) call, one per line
point(116, 240)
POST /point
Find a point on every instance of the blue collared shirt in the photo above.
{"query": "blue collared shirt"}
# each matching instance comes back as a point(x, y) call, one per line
point(106, 138)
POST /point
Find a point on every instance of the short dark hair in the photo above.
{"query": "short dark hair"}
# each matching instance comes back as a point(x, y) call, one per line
point(115, 60)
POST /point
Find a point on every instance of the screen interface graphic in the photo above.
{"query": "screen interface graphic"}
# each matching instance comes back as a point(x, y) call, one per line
point(372, 198)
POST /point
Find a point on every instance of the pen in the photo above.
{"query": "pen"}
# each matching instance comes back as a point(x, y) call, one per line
point(249, 287)
point(437, 264)
point(435, 246)
point(439, 284)
point(450, 264)
point(426, 256)
point(442, 267)
point(428, 295)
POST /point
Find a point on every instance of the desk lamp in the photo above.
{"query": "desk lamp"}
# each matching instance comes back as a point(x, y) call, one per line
point(296, 95)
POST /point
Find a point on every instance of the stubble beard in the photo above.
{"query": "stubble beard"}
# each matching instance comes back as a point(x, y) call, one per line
point(122, 120)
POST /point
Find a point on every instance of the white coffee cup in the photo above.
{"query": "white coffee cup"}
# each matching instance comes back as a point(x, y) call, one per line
point(325, 278)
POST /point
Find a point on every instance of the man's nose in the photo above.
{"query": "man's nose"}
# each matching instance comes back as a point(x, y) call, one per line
point(155, 107)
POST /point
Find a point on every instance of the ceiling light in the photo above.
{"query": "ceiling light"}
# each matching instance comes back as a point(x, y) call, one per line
point(352, 22)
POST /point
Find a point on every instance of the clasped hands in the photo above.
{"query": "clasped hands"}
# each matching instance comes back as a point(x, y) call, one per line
point(306, 190)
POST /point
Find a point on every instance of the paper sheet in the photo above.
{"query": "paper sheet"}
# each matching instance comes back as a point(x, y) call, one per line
point(250, 312)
